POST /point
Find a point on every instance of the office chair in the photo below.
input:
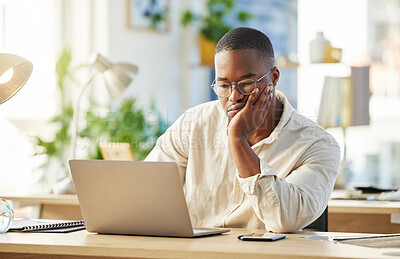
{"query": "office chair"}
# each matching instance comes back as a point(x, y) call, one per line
point(321, 223)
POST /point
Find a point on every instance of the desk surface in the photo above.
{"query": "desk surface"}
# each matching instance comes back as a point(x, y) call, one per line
point(82, 244)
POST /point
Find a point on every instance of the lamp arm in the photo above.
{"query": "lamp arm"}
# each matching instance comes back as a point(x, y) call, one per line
point(74, 134)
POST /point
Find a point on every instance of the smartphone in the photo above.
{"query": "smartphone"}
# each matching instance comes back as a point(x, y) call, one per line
point(262, 237)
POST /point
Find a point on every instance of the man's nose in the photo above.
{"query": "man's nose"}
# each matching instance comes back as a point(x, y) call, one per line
point(235, 94)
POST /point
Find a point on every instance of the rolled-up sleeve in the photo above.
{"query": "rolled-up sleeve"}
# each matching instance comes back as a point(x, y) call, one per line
point(289, 204)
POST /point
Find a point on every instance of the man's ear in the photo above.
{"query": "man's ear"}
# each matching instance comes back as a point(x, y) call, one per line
point(275, 76)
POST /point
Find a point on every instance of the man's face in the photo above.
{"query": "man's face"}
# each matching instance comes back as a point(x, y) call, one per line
point(233, 66)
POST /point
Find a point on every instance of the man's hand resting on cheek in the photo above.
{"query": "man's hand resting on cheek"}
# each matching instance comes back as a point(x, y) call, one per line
point(253, 114)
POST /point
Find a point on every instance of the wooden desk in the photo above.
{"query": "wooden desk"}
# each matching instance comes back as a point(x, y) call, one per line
point(364, 216)
point(81, 244)
point(52, 206)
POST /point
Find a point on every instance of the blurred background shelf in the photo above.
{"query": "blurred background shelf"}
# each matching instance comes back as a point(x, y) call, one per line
point(46, 206)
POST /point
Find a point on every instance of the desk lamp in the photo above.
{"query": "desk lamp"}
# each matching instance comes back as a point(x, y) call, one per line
point(17, 70)
point(117, 80)
point(345, 103)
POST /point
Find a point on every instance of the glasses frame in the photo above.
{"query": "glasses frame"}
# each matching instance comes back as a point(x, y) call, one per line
point(232, 84)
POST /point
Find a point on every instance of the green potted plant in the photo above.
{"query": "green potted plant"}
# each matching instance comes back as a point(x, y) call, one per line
point(128, 124)
point(213, 25)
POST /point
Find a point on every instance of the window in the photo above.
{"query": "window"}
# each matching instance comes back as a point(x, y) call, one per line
point(28, 28)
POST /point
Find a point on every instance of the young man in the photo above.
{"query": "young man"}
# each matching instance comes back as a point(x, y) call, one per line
point(250, 160)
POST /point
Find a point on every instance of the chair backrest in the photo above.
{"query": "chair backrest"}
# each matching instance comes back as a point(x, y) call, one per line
point(321, 223)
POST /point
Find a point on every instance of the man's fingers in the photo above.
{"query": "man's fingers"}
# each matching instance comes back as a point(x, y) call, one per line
point(266, 102)
point(263, 95)
point(253, 97)
point(270, 96)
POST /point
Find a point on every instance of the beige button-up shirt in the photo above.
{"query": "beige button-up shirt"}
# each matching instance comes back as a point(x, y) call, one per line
point(298, 161)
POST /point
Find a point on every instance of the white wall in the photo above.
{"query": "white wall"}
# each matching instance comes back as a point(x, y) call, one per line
point(164, 58)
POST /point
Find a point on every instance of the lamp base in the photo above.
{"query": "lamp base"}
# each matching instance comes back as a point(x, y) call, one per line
point(65, 186)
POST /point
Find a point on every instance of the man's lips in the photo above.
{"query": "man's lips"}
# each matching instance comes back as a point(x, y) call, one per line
point(234, 109)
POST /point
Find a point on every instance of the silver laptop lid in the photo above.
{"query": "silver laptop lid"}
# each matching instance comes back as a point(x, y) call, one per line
point(131, 197)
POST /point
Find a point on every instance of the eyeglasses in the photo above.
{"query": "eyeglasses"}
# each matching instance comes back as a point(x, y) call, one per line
point(245, 87)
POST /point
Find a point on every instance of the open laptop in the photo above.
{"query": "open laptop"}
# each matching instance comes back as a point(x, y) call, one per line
point(133, 197)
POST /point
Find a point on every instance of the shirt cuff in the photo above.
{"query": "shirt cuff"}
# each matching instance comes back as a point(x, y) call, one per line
point(248, 184)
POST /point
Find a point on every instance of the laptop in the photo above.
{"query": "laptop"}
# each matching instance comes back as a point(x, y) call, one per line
point(134, 198)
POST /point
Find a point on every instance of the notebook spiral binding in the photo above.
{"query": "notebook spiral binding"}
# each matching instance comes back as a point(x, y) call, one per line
point(54, 225)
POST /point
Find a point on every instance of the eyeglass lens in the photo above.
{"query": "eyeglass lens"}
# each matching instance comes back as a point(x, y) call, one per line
point(245, 87)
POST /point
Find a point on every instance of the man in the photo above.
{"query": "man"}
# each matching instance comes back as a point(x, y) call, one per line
point(250, 160)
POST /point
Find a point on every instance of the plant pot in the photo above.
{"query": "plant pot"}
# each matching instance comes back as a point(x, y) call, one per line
point(207, 48)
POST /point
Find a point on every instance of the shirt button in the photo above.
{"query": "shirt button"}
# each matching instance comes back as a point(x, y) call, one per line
point(318, 188)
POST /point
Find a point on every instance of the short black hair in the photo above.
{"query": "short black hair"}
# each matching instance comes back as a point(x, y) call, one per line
point(247, 38)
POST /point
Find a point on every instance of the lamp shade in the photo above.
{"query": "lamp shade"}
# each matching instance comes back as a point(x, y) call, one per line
point(345, 100)
point(21, 69)
point(114, 74)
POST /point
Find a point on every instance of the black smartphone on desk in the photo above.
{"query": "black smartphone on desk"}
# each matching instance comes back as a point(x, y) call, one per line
point(262, 237)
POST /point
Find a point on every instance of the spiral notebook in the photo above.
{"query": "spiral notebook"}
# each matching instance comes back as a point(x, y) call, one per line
point(46, 226)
